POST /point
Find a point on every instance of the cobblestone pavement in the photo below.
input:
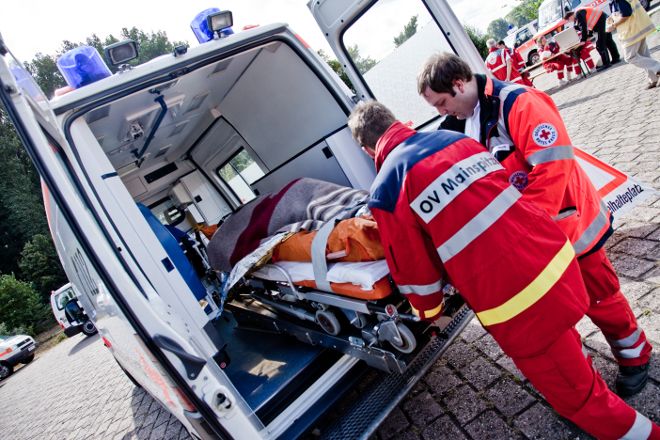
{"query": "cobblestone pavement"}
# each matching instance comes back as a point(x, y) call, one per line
point(77, 391)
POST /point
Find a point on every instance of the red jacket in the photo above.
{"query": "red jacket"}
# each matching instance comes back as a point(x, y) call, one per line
point(523, 129)
point(496, 63)
point(446, 212)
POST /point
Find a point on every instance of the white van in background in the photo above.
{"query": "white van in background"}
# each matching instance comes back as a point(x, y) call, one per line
point(68, 312)
point(160, 146)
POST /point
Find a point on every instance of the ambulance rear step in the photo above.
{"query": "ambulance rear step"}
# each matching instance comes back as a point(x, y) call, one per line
point(361, 418)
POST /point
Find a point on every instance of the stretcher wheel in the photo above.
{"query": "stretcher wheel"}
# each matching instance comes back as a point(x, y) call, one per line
point(408, 341)
point(328, 322)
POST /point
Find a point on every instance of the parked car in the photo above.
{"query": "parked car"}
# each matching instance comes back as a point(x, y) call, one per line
point(14, 350)
point(68, 312)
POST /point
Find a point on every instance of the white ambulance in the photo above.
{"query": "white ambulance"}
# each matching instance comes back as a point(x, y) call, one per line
point(172, 139)
point(68, 313)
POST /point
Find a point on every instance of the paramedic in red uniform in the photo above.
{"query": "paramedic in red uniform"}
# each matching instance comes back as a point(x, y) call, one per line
point(518, 62)
point(557, 64)
point(500, 63)
point(446, 212)
point(589, 19)
point(522, 128)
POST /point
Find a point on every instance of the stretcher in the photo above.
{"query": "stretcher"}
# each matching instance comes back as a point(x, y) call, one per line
point(338, 294)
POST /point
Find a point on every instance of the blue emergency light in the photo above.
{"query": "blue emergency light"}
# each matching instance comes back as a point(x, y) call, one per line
point(210, 22)
point(81, 66)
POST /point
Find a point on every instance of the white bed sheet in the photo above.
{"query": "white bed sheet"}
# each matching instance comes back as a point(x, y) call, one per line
point(364, 274)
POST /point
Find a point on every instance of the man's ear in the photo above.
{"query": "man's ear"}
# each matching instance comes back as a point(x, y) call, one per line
point(459, 85)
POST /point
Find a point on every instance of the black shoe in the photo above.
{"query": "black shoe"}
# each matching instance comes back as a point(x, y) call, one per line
point(618, 60)
point(631, 380)
point(603, 67)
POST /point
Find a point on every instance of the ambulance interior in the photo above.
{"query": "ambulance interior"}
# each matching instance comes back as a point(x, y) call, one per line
point(195, 148)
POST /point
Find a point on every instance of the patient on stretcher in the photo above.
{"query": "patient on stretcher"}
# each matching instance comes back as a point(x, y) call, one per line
point(299, 210)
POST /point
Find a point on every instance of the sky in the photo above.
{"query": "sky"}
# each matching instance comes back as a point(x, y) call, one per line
point(75, 20)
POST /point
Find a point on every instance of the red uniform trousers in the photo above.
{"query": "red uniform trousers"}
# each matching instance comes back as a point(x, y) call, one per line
point(610, 311)
point(585, 55)
point(558, 64)
point(568, 381)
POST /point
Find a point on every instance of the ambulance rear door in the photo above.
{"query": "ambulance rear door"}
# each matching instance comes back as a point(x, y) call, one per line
point(132, 317)
point(382, 45)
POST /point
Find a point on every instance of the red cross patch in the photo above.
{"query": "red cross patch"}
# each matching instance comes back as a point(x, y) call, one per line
point(544, 134)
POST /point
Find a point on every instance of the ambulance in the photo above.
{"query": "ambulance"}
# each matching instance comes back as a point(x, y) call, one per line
point(131, 160)
point(551, 14)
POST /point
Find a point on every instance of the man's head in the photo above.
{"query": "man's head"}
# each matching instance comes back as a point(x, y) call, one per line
point(501, 44)
point(540, 41)
point(368, 121)
point(491, 43)
point(447, 84)
point(569, 16)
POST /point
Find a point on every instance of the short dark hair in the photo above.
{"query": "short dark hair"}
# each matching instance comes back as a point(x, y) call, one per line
point(440, 71)
point(501, 42)
point(568, 15)
point(368, 121)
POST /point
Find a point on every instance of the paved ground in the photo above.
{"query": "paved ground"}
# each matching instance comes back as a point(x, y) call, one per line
point(76, 391)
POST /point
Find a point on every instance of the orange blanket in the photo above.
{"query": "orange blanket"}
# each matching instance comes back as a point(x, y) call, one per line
point(353, 239)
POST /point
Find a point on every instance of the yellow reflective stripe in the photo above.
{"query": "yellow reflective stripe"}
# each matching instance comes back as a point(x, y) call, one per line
point(427, 313)
point(533, 292)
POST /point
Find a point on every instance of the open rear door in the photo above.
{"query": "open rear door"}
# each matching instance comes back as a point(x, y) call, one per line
point(382, 44)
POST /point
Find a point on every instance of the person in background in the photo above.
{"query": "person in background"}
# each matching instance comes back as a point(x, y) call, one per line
point(500, 64)
point(633, 25)
point(588, 19)
point(447, 213)
point(548, 49)
point(517, 61)
point(523, 129)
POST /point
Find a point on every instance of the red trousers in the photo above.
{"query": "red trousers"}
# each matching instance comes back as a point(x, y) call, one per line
point(610, 311)
point(568, 381)
point(558, 64)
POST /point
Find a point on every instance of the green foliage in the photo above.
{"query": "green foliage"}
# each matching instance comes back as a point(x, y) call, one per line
point(21, 209)
point(20, 305)
point(337, 67)
point(363, 64)
point(408, 31)
point(526, 11)
point(39, 263)
point(478, 39)
point(497, 29)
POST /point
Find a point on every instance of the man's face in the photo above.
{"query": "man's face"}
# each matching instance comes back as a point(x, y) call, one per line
point(501, 46)
point(459, 105)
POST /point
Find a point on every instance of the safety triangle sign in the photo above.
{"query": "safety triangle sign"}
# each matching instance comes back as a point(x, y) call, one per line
point(619, 192)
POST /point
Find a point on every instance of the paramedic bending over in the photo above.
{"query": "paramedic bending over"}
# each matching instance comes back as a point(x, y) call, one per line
point(447, 212)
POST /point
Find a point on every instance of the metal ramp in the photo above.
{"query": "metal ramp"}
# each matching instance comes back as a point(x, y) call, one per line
point(363, 417)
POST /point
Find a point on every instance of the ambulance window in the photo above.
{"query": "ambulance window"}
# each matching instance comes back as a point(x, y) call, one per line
point(63, 298)
point(389, 48)
point(239, 172)
point(166, 212)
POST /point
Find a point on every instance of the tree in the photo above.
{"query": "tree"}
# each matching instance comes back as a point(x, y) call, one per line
point(363, 64)
point(337, 67)
point(21, 210)
point(20, 306)
point(478, 39)
point(526, 11)
point(408, 31)
point(40, 264)
point(497, 29)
